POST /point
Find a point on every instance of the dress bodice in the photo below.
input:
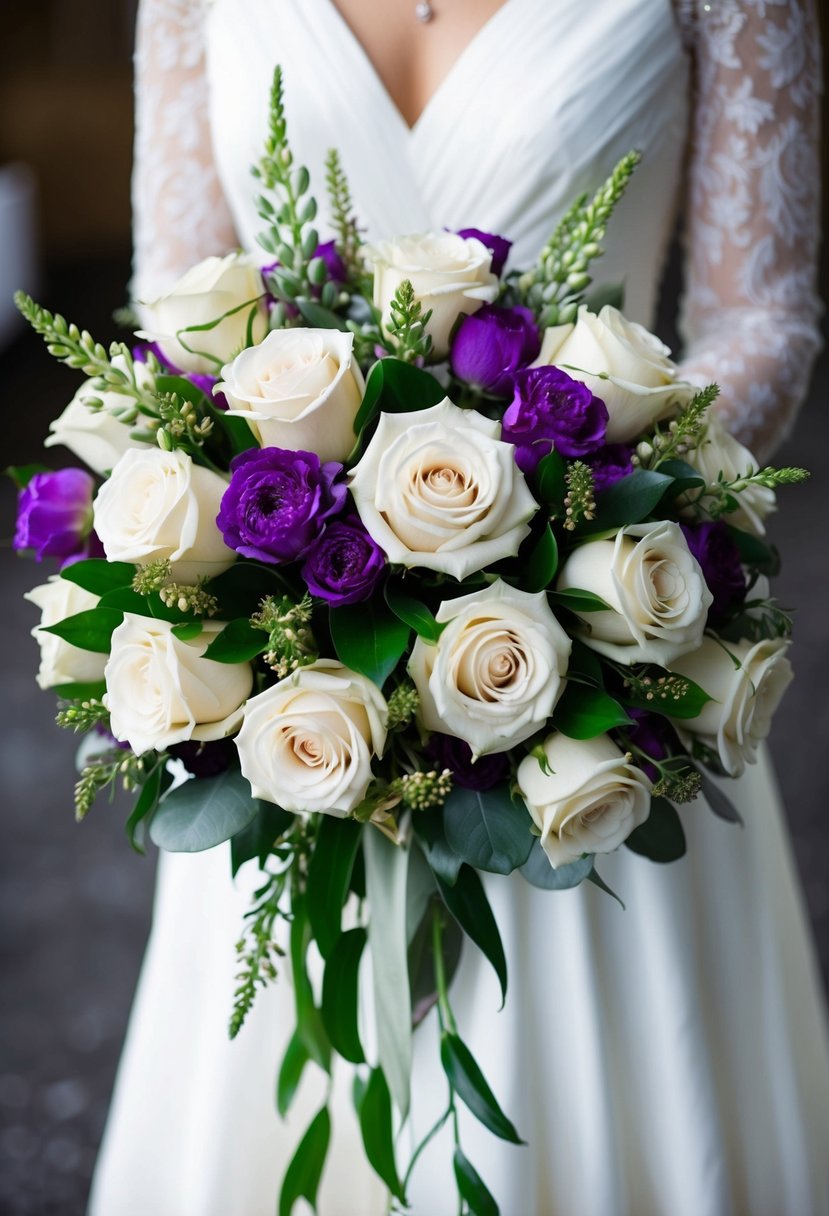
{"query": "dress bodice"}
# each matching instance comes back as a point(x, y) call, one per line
point(539, 106)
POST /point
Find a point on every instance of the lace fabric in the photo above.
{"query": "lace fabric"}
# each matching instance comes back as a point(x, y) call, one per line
point(750, 312)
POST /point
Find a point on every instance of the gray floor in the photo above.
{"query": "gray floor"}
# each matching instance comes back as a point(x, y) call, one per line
point(76, 901)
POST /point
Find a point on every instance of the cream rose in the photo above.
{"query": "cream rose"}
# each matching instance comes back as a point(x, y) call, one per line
point(61, 663)
point(623, 364)
point(450, 275)
point(657, 596)
point(718, 454)
point(161, 505)
point(439, 489)
point(745, 697)
point(228, 288)
point(496, 671)
point(307, 742)
point(299, 389)
point(162, 690)
point(98, 437)
point(589, 802)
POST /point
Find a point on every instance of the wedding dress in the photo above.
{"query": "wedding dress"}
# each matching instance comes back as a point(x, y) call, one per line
point(665, 1060)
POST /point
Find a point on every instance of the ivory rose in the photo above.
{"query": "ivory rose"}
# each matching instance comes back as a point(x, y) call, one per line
point(495, 674)
point(450, 274)
point(721, 456)
point(623, 364)
point(161, 505)
point(162, 690)
point(657, 596)
point(745, 698)
point(299, 389)
point(589, 799)
point(60, 662)
point(98, 437)
point(230, 288)
point(439, 489)
point(307, 742)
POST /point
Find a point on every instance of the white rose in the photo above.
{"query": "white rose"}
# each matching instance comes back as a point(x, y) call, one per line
point(450, 275)
point(439, 489)
point(745, 697)
point(162, 690)
point(161, 505)
point(623, 364)
point(306, 743)
point(61, 663)
point(97, 436)
point(300, 389)
point(657, 596)
point(215, 287)
point(720, 453)
point(590, 802)
point(496, 671)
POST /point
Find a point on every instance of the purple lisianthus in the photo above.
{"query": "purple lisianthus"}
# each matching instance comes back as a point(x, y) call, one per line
point(653, 735)
point(493, 344)
point(277, 503)
point(54, 513)
point(610, 464)
point(552, 410)
point(498, 246)
point(344, 565)
point(205, 759)
point(447, 751)
point(713, 547)
point(327, 250)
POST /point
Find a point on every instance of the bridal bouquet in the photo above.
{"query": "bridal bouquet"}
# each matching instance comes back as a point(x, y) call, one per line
point(394, 569)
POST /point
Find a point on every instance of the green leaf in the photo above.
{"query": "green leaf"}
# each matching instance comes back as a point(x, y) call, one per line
point(577, 600)
point(421, 961)
point(241, 437)
point(688, 705)
point(92, 691)
point(99, 576)
point(601, 294)
point(290, 1073)
point(317, 316)
point(487, 829)
point(549, 479)
point(470, 907)
point(599, 882)
point(202, 813)
point(719, 802)
point(369, 638)
point(539, 873)
point(661, 836)
point(468, 1082)
point(583, 713)
point(376, 1128)
point(182, 387)
point(242, 587)
point(22, 474)
point(413, 613)
point(187, 630)
point(339, 995)
point(395, 387)
point(754, 552)
point(238, 642)
point(685, 476)
point(540, 565)
point(445, 862)
point(630, 500)
point(302, 1177)
point(257, 839)
point(472, 1188)
point(309, 1023)
point(146, 803)
point(90, 630)
point(329, 874)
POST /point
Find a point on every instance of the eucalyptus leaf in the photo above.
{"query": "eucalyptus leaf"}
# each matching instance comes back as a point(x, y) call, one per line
point(238, 642)
point(487, 828)
point(329, 875)
point(89, 630)
point(584, 713)
point(661, 837)
point(468, 903)
point(339, 995)
point(302, 1177)
point(98, 575)
point(471, 1087)
point(146, 802)
point(369, 638)
point(376, 1128)
point(203, 812)
point(718, 801)
point(472, 1188)
point(290, 1074)
point(445, 862)
point(539, 873)
point(599, 882)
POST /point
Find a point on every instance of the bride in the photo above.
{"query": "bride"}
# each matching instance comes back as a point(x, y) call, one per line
point(666, 1060)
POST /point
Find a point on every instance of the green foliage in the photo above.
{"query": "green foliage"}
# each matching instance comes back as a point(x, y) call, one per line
point(310, 1026)
point(302, 1177)
point(393, 387)
point(429, 828)
point(256, 949)
point(661, 837)
point(203, 812)
point(579, 500)
point(290, 1074)
point(574, 599)
point(467, 902)
point(584, 713)
point(369, 638)
point(339, 995)
point(470, 1085)
point(631, 499)
point(539, 873)
point(83, 716)
point(683, 432)
point(291, 643)
point(421, 960)
point(256, 841)
point(329, 875)
point(346, 230)
point(151, 791)
point(664, 692)
point(239, 642)
point(538, 568)
point(89, 630)
point(104, 772)
point(550, 481)
point(718, 801)
point(487, 828)
point(376, 1128)
point(406, 325)
point(412, 612)
point(22, 474)
point(472, 1188)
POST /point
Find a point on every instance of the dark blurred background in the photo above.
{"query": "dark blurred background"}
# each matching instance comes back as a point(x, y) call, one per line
point(76, 900)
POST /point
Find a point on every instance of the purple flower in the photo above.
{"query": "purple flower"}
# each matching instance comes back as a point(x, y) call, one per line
point(447, 751)
point(334, 264)
point(653, 735)
point(201, 380)
point(610, 464)
point(713, 547)
point(54, 513)
point(551, 410)
point(491, 345)
point(205, 759)
point(277, 503)
point(498, 246)
point(344, 565)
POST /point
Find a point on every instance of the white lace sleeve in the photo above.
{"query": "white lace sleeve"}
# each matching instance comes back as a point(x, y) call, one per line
point(179, 212)
point(750, 316)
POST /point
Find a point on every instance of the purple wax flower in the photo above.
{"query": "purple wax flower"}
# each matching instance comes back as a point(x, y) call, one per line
point(344, 565)
point(498, 246)
point(277, 503)
point(552, 410)
point(713, 547)
point(653, 735)
point(491, 345)
point(447, 751)
point(54, 513)
point(610, 464)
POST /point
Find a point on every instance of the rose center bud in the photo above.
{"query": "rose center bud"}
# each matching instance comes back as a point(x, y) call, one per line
point(445, 481)
point(666, 582)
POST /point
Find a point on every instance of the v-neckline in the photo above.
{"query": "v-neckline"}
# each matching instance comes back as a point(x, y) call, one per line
point(470, 48)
